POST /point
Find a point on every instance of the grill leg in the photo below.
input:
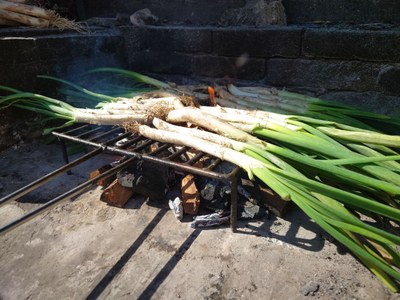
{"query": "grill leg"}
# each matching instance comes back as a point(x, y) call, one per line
point(234, 203)
point(64, 153)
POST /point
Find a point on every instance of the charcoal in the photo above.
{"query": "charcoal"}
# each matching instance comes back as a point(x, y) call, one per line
point(215, 196)
point(225, 194)
point(251, 211)
point(210, 191)
point(225, 167)
point(145, 178)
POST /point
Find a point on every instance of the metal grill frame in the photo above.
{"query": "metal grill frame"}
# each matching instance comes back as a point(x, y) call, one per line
point(135, 147)
point(103, 139)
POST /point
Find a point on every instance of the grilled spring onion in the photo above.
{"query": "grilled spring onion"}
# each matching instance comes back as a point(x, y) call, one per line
point(334, 218)
point(196, 116)
point(35, 16)
point(265, 98)
point(58, 109)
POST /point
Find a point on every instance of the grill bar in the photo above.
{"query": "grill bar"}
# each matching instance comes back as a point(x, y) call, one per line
point(39, 182)
point(67, 195)
point(185, 166)
point(178, 153)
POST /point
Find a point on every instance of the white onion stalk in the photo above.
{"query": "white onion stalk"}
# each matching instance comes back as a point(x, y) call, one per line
point(323, 166)
point(237, 116)
point(108, 119)
point(110, 111)
point(61, 110)
point(140, 103)
point(224, 153)
point(196, 116)
point(249, 128)
point(201, 134)
point(221, 140)
point(249, 113)
point(269, 100)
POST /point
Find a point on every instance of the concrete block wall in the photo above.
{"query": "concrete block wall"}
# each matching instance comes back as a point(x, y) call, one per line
point(208, 51)
point(285, 56)
point(26, 53)
point(348, 61)
point(342, 11)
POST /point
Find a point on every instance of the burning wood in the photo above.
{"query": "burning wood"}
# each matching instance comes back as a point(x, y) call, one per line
point(116, 194)
point(104, 182)
point(190, 195)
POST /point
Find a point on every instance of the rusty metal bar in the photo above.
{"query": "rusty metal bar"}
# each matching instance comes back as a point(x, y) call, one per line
point(163, 161)
point(195, 158)
point(67, 195)
point(39, 182)
point(215, 163)
point(74, 129)
point(86, 133)
point(159, 149)
point(178, 152)
point(103, 134)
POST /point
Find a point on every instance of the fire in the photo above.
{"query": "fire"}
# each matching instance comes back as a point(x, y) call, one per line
point(211, 92)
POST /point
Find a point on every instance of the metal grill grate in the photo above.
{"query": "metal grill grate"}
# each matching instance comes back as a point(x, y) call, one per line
point(131, 147)
point(115, 140)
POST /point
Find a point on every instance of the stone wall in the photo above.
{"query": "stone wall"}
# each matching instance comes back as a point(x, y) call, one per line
point(348, 61)
point(319, 59)
point(187, 11)
point(26, 53)
point(339, 11)
point(298, 11)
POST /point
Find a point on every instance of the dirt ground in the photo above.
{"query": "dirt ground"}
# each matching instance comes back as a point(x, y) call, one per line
point(86, 249)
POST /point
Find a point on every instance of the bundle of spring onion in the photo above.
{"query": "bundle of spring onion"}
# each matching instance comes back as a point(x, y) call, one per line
point(346, 178)
point(19, 12)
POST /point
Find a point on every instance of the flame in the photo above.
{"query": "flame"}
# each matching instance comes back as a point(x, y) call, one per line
point(211, 92)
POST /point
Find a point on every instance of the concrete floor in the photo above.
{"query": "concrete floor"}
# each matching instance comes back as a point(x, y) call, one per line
point(86, 249)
